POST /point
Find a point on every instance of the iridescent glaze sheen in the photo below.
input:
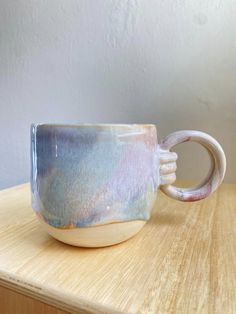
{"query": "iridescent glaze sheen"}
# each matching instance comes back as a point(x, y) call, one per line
point(93, 175)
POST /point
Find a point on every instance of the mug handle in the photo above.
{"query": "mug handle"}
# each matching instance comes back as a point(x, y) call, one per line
point(168, 166)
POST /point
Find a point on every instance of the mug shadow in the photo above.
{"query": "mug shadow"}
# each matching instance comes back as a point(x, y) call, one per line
point(163, 218)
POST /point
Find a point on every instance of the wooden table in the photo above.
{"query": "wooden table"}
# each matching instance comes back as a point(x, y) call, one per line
point(183, 261)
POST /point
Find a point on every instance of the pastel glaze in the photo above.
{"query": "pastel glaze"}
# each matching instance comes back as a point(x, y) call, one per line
point(87, 176)
point(102, 180)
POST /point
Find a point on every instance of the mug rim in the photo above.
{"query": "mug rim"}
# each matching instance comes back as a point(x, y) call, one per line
point(95, 125)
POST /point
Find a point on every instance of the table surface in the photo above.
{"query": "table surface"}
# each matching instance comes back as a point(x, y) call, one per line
point(182, 261)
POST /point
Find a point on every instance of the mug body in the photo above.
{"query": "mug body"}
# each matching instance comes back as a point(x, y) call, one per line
point(93, 185)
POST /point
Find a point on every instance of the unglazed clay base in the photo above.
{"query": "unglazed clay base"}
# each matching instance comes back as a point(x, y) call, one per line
point(98, 236)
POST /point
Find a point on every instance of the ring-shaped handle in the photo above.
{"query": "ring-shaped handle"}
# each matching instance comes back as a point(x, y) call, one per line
point(216, 173)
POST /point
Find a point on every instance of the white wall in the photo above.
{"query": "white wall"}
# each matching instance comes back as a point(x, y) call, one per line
point(169, 62)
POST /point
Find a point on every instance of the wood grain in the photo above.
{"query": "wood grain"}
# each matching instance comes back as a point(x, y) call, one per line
point(12, 302)
point(182, 261)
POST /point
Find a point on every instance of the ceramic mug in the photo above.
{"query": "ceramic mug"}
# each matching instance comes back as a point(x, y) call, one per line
point(95, 185)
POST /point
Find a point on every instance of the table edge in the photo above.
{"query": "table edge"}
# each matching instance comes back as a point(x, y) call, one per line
point(52, 296)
